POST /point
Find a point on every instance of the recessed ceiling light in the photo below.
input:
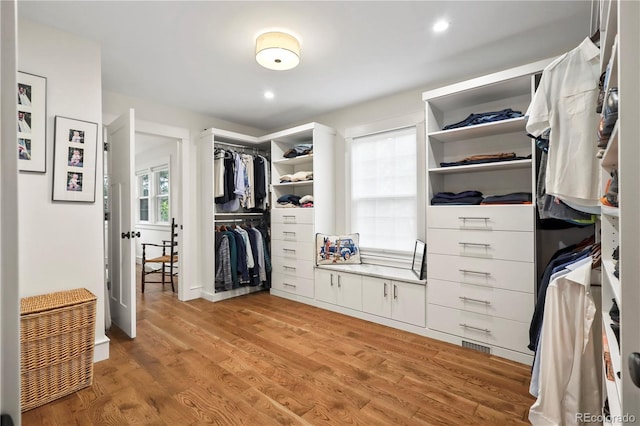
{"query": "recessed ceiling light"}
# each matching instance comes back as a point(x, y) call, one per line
point(269, 95)
point(440, 26)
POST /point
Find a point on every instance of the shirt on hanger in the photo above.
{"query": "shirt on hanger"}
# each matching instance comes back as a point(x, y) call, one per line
point(566, 102)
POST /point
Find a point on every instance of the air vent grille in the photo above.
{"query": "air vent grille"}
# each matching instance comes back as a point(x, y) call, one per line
point(476, 347)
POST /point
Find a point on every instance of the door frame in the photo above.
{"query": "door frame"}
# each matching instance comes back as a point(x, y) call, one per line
point(186, 289)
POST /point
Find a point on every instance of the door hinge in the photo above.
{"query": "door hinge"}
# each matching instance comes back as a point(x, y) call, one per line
point(106, 146)
point(107, 216)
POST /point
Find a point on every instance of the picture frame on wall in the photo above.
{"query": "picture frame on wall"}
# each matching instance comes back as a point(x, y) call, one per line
point(31, 98)
point(74, 160)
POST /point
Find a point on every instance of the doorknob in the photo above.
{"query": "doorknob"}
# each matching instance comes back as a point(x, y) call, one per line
point(125, 235)
point(135, 234)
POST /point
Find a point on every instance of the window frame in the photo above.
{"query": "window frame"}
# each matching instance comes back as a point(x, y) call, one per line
point(389, 257)
point(154, 197)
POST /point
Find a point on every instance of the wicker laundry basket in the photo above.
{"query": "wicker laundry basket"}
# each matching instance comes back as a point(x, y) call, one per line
point(56, 341)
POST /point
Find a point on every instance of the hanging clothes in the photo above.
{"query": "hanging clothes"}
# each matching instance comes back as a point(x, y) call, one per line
point(565, 101)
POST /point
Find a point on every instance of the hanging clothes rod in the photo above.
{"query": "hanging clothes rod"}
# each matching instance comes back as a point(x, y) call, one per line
point(243, 147)
point(249, 219)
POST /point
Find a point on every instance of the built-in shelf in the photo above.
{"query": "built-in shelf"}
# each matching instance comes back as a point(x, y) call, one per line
point(485, 167)
point(610, 157)
point(481, 130)
point(610, 211)
point(285, 184)
point(301, 159)
point(609, 268)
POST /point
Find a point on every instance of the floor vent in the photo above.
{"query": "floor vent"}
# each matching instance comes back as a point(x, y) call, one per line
point(476, 347)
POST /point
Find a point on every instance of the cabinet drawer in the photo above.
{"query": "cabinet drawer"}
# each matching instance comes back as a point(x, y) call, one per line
point(304, 232)
point(292, 216)
point(499, 218)
point(505, 245)
point(512, 305)
point(294, 285)
point(506, 274)
point(293, 267)
point(482, 328)
point(293, 250)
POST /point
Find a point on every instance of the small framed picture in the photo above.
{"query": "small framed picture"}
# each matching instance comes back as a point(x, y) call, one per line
point(74, 160)
point(32, 122)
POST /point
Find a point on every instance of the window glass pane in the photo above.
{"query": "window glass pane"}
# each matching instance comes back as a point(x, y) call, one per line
point(384, 205)
point(163, 209)
point(163, 182)
point(144, 209)
point(144, 185)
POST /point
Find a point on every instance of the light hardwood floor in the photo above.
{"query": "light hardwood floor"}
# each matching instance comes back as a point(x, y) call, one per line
point(264, 360)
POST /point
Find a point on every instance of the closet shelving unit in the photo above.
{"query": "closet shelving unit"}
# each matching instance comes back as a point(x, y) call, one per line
point(620, 226)
point(209, 216)
point(481, 258)
point(294, 229)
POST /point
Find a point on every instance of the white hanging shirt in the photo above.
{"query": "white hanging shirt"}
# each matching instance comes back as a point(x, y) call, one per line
point(566, 102)
point(568, 380)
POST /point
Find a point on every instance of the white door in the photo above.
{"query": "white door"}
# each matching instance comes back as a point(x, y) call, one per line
point(122, 270)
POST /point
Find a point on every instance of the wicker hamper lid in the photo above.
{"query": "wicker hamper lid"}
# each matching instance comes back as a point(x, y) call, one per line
point(60, 299)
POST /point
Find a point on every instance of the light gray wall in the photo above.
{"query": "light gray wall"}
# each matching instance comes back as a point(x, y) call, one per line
point(61, 243)
point(9, 279)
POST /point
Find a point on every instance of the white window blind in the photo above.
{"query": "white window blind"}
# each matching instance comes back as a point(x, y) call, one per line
point(384, 190)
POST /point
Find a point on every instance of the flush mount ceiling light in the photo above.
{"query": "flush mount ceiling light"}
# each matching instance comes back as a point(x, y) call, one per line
point(440, 26)
point(277, 51)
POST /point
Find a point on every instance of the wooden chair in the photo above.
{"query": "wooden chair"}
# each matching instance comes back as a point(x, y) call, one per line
point(169, 258)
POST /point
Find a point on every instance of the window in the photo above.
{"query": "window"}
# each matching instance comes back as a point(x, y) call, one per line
point(384, 196)
point(153, 196)
point(162, 197)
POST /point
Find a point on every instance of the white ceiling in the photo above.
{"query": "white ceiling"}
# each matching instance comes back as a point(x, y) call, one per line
point(199, 55)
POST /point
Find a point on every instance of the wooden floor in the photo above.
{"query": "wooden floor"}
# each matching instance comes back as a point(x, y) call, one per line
point(263, 360)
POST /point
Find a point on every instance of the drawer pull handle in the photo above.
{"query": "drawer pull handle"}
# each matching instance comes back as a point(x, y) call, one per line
point(475, 244)
point(289, 219)
point(395, 291)
point(339, 281)
point(289, 285)
point(289, 250)
point(485, 330)
point(469, 299)
point(473, 218)
point(468, 271)
point(289, 267)
point(289, 232)
point(331, 280)
point(385, 290)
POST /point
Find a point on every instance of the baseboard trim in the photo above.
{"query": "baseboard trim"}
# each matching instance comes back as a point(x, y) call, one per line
point(101, 349)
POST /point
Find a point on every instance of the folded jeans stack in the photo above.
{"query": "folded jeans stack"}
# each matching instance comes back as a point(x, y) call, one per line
point(461, 198)
point(488, 158)
point(512, 198)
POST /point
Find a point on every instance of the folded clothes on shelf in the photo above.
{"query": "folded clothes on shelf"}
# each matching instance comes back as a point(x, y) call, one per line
point(298, 150)
point(483, 159)
point(460, 198)
point(289, 198)
point(297, 177)
point(512, 198)
point(484, 117)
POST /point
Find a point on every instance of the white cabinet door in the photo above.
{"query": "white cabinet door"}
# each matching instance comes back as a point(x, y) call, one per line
point(326, 286)
point(408, 303)
point(376, 296)
point(349, 291)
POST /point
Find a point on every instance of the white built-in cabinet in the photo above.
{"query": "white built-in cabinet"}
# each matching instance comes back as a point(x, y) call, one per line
point(620, 226)
point(393, 299)
point(481, 258)
point(294, 230)
point(339, 288)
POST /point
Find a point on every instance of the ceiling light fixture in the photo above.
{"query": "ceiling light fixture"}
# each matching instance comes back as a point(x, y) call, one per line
point(269, 94)
point(440, 26)
point(277, 51)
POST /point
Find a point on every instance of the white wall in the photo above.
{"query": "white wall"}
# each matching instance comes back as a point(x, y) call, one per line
point(61, 244)
point(9, 279)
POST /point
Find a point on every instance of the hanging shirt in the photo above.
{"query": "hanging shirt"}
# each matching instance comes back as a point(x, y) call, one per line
point(566, 102)
point(568, 382)
point(238, 191)
point(218, 172)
